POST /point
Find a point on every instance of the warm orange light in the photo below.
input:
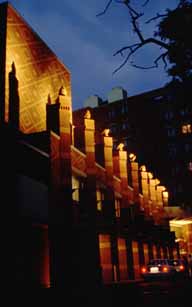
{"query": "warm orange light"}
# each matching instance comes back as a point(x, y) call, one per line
point(87, 114)
point(143, 168)
point(165, 269)
point(38, 72)
point(181, 267)
point(150, 175)
point(165, 195)
point(143, 270)
point(132, 157)
point(106, 132)
point(163, 188)
point(120, 147)
point(157, 181)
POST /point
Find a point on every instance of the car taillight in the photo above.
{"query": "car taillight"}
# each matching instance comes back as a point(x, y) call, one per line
point(181, 267)
point(165, 269)
point(143, 269)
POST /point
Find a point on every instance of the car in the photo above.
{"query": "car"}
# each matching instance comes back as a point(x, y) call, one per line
point(164, 268)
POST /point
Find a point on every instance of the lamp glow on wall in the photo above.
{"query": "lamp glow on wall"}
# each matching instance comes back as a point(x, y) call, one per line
point(132, 157)
point(150, 175)
point(143, 168)
point(165, 195)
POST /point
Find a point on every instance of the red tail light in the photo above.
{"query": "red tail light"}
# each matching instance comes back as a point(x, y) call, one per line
point(181, 267)
point(143, 269)
point(165, 269)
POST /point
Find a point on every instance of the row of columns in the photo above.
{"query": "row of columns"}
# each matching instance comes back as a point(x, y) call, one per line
point(75, 252)
point(155, 196)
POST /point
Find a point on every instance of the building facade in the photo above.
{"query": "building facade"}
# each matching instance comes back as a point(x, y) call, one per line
point(81, 214)
point(156, 125)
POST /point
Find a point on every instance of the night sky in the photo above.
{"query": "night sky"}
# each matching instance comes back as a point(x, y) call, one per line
point(86, 43)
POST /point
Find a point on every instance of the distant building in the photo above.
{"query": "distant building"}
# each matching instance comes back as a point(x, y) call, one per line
point(157, 126)
point(79, 213)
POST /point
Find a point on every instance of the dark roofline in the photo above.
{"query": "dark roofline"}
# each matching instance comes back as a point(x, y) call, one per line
point(143, 94)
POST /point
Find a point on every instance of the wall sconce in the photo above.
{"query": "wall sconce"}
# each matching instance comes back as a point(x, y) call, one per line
point(157, 181)
point(120, 147)
point(132, 157)
point(87, 114)
point(106, 132)
point(143, 168)
point(150, 175)
point(165, 196)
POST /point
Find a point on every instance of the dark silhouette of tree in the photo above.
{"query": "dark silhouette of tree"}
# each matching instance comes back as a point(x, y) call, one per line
point(175, 30)
point(173, 37)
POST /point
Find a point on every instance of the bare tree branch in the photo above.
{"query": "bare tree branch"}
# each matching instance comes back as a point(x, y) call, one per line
point(134, 15)
point(145, 3)
point(156, 17)
point(105, 9)
point(162, 56)
point(118, 68)
point(132, 49)
point(136, 26)
point(131, 9)
point(120, 51)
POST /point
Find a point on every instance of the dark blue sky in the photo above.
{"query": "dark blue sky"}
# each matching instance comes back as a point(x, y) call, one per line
point(86, 43)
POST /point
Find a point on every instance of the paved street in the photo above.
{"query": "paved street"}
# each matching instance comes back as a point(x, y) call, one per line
point(140, 293)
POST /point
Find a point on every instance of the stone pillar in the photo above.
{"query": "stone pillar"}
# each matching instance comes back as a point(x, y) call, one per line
point(60, 206)
point(122, 172)
point(160, 205)
point(109, 203)
point(165, 198)
point(135, 176)
point(145, 189)
point(160, 190)
point(108, 155)
point(52, 116)
point(90, 271)
point(152, 191)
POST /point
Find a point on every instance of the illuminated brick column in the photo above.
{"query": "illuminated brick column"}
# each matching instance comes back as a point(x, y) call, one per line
point(152, 191)
point(60, 206)
point(160, 190)
point(135, 176)
point(123, 174)
point(109, 204)
point(108, 155)
point(159, 212)
point(89, 125)
point(52, 116)
point(89, 238)
point(145, 188)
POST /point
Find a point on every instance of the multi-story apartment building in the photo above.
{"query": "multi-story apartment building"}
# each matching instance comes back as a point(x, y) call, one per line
point(157, 126)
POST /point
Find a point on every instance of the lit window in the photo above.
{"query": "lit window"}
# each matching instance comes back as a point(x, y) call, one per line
point(100, 198)
point(75, 188)
point(186, 129)
point(117, 207)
